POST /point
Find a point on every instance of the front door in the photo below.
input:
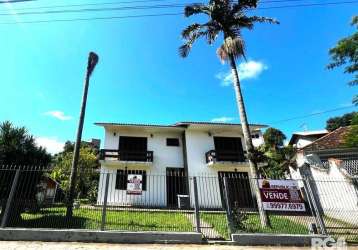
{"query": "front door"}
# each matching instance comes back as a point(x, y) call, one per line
point(175, 185)
point(239, 191)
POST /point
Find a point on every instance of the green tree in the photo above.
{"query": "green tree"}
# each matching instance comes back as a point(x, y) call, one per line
point(274, 156)
point(18, 148)
point(340, 121)
point(229, 19)
point(87, 178)
point(346, 53)
point(355, 119)
point(351, 138)
point(274, 137)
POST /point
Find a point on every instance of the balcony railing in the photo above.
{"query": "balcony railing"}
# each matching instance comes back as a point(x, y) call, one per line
point(114, 154)
point(229, 156)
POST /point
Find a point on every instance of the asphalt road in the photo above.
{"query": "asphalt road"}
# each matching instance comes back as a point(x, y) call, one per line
point(20, 245)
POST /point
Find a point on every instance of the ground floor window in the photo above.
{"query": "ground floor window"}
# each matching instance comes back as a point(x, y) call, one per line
point(122, 178)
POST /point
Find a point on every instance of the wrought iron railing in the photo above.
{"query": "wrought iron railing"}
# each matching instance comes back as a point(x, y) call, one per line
point(229, 156)
point(115, 154)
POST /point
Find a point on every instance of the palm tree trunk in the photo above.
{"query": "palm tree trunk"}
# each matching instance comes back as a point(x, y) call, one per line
point(248, 140)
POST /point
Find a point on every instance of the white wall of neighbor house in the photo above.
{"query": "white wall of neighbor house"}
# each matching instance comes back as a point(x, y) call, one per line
point(301, 142)
point(337, 194)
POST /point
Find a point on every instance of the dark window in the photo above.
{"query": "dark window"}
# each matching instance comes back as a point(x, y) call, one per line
point(122, 178)
point(173, 142)
point(255, 136)
point(133, 148)
point(229, 149)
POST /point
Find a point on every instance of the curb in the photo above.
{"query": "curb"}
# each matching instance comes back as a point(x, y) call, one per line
point(73, 235)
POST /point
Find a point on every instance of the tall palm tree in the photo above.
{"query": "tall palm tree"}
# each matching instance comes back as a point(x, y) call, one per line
point(228, 18)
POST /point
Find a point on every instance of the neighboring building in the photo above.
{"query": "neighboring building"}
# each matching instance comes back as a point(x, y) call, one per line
point(301, 139)
point(47, 190)
point(334, 169)
point(167, 156)
point(328, 146)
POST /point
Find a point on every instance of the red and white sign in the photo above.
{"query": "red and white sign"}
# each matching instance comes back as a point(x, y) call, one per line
point(281, 195)
point(134, 184)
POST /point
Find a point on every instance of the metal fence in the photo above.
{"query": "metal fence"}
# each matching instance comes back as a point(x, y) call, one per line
point(216, 206)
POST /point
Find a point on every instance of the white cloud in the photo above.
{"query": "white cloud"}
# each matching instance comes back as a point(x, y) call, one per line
point(52, 145)
point(58, 114)
point(246, 70)
point(223, 119)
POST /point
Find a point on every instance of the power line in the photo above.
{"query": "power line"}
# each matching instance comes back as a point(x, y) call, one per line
point(167, 14)
point(93, 18)
point(143, 7)
point(307, 5)
point(87, 4)
point(127, 2)
point(313, 114)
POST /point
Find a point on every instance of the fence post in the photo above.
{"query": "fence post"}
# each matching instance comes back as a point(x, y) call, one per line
point(228, 206)
point(104, 208)
point(10, 199)
point(196, 206)
point(311, 197)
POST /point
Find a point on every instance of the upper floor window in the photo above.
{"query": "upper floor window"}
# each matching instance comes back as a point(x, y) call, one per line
point(229, 149)
point(173, 142)
point(255, 136)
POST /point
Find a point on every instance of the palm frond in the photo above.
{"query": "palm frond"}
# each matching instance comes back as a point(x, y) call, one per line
point(185, 49)
point(242, 5)
point(196, 8)
point(232, 47)
point(188, 31)
point(212, 31)
point(226, 17)
point(355, 100)
point(261, 19)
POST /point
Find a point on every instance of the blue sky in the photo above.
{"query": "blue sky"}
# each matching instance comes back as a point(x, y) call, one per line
point(140, 77)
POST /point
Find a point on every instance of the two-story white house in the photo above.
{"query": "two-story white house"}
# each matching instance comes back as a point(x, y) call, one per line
point(166, 156)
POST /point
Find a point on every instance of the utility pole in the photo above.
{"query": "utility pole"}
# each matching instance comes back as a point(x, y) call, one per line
point(92, 62)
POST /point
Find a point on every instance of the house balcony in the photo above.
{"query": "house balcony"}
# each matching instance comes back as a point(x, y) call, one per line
point(226, 158)
point(117, 157)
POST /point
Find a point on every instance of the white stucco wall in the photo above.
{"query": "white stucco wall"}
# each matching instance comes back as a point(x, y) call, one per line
point(301, 142)
point(164, 156)
point(337, 195)
point(198, 142)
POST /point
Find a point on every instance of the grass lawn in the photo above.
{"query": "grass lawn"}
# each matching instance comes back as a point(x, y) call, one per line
point(116, 220)
point(340, 228)
point(279, 224)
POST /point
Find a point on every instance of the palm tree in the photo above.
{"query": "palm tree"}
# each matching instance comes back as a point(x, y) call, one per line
point(228, 18)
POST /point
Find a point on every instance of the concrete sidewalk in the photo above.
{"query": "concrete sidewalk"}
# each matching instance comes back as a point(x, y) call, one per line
point(22, 245)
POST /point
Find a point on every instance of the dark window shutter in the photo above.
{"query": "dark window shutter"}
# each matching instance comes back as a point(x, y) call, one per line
point(121, 180)
point(173, 142)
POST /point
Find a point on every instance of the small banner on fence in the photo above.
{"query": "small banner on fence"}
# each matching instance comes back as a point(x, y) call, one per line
point(134, 184)
point(281, 195)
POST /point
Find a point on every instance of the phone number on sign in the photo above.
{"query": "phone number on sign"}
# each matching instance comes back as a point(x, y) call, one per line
point(282, 206)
